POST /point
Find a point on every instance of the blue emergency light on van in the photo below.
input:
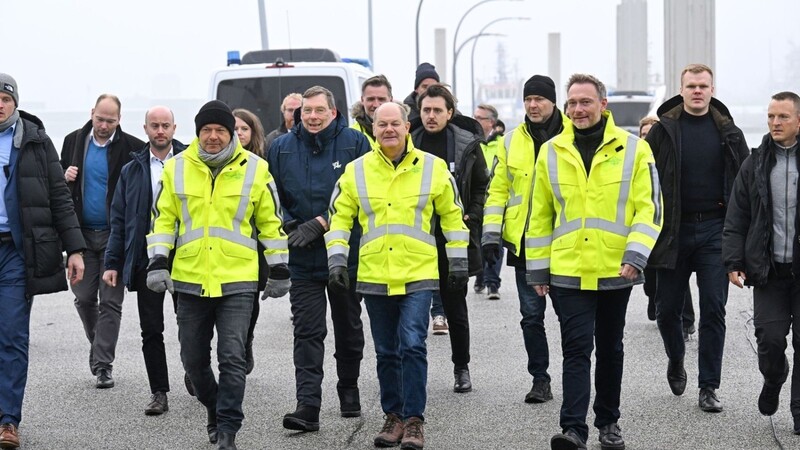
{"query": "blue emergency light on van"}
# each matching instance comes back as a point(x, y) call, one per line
point(233, 57)
point(362, 61)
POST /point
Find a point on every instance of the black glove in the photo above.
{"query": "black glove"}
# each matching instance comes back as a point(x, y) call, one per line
point(306, 233)
point(339, 279)
point(491, 253)
point(457, 280)
point(290, 226)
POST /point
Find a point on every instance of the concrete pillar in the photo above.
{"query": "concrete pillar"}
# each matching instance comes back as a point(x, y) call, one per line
point(632, 45)
point(440, 53)
point(554, 62)
point(689, 37)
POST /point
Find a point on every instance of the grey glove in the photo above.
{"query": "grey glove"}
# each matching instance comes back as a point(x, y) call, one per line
point(159, 281)
point(276, 288)
point(278, 283)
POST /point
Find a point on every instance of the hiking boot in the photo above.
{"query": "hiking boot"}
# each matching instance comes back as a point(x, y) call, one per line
point(392, 432)
point(540, 392)
point(440, 326)
point(304, 418)
point(349, 400)
point(413, 436)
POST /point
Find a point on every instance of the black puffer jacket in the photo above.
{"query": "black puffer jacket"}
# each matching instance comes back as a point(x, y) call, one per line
point(46, 221)
point(464, 137)
point(119, 150)
point(747, 236)
point(664, 139)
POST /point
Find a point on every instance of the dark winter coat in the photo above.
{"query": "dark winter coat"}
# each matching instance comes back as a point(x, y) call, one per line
point(306, 167)
point(118, 153)
point(664, 139)
point(126, 251)
point(464, 138)
point(747, 236)
point(46, 222)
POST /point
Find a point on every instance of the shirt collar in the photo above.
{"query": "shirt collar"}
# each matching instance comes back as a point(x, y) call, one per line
point(91, 136)
point(9, 130)
point(154, 158)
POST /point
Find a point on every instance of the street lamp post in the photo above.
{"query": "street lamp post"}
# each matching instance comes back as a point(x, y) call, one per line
point(472, 56)
point(419, 8)
point(460, 47)
point(455, 35)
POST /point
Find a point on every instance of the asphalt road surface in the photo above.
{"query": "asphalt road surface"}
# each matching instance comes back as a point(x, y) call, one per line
point(63, 409)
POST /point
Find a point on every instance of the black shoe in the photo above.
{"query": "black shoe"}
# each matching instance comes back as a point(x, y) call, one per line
point(478, 288)
point(249, 362)
point(349, 400)
point(158, 404)
point(227, 441)
point(539, 393)
point(708, 401)
point(211, 428)
point(188, 383)
point(611, 437)
point(104, 379)
point(769, 398)
point(463, 382)
point(569, 440)
point(676, 376)
point(493, 293)
point(796, 424)
point(305, 418)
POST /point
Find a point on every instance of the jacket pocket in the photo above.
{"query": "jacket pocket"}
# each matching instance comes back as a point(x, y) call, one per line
point(47, 259)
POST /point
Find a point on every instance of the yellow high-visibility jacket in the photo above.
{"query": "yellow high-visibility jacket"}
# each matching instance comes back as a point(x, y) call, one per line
point(208, 222)
point(582, 229)
point(508, 202)
point(490, 150)
point(395, 207)
point(357, 126)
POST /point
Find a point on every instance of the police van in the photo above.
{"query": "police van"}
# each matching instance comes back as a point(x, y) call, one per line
point(261, 79)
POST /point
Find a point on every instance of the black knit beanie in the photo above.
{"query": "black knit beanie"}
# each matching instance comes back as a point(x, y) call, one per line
point(425, 70)
point(215, 112)
point(540, 85)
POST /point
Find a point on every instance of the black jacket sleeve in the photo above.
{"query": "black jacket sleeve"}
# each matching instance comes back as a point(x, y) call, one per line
point(61, 207)
point(737, 220)
point(478, 186)
point(115, 248)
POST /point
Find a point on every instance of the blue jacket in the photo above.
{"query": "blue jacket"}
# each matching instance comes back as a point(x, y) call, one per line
point(306, 168)
point(126, 251)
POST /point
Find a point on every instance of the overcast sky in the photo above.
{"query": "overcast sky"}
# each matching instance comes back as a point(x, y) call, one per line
point(64, 53)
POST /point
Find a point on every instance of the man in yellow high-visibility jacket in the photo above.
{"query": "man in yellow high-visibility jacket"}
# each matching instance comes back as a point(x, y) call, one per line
point(506, 214)
point(595, 217)
point(208, 198)
point(396, 192)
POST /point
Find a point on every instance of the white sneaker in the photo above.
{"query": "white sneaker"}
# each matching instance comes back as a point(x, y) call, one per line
point(440, 326)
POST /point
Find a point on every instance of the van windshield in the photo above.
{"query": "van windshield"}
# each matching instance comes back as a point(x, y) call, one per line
point(628, 114)
point(263, 95)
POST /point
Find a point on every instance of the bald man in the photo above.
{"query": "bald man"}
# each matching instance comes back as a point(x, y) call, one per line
point(130, 213)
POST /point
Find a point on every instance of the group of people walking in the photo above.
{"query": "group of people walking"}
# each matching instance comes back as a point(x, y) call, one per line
point(399, 209)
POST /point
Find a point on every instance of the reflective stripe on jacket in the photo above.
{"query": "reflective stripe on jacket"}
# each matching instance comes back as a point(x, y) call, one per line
point(583, 228)
point(395, 207)
point(208, 222)
point(508, 201)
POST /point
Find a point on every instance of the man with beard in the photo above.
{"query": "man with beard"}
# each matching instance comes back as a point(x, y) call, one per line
point(457, 140)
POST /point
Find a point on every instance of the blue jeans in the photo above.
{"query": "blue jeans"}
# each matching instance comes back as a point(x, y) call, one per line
point(437, 307)
point(14, 334)
point(532, 308)
point(700, 251)
point(589, 317)
point(197, 318)
point(490, 277)
point(399, 325)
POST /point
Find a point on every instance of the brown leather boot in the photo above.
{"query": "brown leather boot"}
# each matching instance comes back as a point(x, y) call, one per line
point(9, 437)
point(413, 436)
point(392, 432)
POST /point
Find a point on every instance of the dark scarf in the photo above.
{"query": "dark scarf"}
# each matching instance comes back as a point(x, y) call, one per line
point(543, 132)
point(12, 119)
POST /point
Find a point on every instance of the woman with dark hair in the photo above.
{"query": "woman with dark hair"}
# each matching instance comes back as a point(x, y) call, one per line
point(249, 131)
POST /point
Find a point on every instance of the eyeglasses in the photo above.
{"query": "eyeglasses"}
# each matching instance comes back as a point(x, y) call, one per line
point(481, 118)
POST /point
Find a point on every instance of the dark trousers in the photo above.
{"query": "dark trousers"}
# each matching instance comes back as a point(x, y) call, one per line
point(490, 277)
point(534, 336)
point(309, 311)
point(700, 251)
point(14, 334)
point(776, 307)
point(197, 319)
point(151, 320)
point(589, 319)
point(650, 291)
point(253, 319)
point(455, 308)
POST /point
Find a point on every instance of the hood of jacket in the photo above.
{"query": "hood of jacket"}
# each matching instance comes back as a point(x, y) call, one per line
point(672, 108)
